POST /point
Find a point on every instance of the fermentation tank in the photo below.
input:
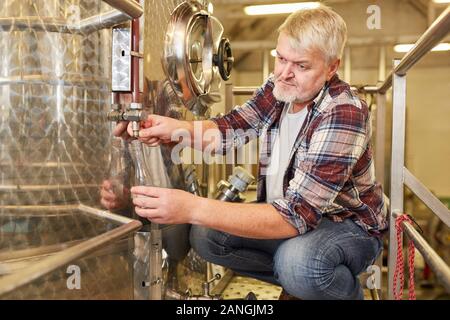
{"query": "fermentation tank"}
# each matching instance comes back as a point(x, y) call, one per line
point(54, 138)
point(64, 66)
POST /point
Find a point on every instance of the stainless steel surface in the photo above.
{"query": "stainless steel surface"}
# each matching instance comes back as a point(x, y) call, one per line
point(91, 228)
point(62, 25)
point(244, 91)
point(155, 265)
point(397, 164)
point(439, 267)
point(104, 274)
point(380, 140)
point(386, 85)
point(190, 57)
point(129, 7)
point(55, 92)
point(141, 265)
point(102, 21)
point(55, 142)
point(237, 183)
point(121, 59)
point(427, 197)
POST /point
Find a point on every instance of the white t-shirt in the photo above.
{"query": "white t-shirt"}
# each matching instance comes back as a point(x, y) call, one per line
point(290, 125)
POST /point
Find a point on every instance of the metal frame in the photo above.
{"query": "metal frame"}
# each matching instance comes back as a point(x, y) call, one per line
point(48, 264)
point(400, 176)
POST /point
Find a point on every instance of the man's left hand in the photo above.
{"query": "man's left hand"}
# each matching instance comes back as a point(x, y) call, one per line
point(162, 205)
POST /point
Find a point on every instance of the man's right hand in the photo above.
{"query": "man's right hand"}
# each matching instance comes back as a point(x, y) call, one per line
point(110, 200)
point(154, 130)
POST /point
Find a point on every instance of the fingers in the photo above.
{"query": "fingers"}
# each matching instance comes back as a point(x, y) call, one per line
point(108, 195)
point(130, 129)
point(147, 213)
point(146, 202)
point(106, 184)
point(120, 128)
point(147, 191)
point(110, 205)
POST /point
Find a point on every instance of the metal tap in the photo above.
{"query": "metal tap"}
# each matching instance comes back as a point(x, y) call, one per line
point(133, 113)
point(238, 182)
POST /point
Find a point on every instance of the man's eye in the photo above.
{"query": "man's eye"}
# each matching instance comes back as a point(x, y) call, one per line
point(301, 66)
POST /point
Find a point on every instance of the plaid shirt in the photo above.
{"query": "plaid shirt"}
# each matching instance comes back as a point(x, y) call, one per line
point(330, 172)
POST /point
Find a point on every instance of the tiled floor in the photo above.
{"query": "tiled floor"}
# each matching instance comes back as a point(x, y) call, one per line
point(239, 287)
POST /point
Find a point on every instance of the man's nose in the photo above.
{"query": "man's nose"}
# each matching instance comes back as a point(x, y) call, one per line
point(288, 71)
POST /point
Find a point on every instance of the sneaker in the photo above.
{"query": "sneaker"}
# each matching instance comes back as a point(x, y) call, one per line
point(286, 296)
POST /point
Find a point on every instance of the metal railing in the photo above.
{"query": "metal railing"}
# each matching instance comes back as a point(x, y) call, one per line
point(400, 176)
point(48, 264)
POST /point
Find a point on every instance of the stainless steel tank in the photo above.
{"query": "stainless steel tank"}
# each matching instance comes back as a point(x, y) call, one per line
point(54, 93)
point(54, 143)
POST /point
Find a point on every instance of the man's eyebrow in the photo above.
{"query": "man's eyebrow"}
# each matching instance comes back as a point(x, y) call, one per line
point(299, 61)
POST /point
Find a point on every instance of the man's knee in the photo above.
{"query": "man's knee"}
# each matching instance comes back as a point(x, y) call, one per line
point(308, 272)
point(302, 270)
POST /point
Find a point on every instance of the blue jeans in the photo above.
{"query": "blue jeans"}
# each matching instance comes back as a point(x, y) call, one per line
point(321, 264)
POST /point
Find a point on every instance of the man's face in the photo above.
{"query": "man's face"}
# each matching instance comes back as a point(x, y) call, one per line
point(299, 73)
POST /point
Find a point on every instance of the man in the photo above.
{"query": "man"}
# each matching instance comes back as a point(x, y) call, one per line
point(321, 213)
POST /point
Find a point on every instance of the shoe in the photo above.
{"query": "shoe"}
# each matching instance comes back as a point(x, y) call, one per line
point(286, 296)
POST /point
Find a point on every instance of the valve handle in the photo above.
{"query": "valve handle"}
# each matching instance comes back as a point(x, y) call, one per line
point(224, 59)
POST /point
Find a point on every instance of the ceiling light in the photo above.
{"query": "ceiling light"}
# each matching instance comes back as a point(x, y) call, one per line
point(210, 8)
point(279, 8)
point(273, 52)
point(407, 47)
point(441, 1)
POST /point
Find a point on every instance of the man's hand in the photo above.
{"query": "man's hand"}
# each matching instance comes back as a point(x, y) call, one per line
point(164, 206)
point(109, 199)
point(158, 129)
point(121, 130)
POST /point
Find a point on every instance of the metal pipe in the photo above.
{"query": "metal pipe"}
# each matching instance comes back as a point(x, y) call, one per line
point(130, 7)
point(243, 91)
point(434, 34)
point(369, 89)
point(11, 282)
point(380, 139)
point(347, 65)
point(135, 61)
point(50, 24)
point(397, 164)
point(102, 21)
point(386, 85)
point(439, 267)
point(427, 197)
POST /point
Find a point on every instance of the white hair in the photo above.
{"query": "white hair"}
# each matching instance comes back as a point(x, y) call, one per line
point(320, 28)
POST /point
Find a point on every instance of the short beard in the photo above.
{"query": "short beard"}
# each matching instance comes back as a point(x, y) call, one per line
point(282, 96)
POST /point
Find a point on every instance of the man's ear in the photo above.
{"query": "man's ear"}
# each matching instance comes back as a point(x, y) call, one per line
point(333, 68)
